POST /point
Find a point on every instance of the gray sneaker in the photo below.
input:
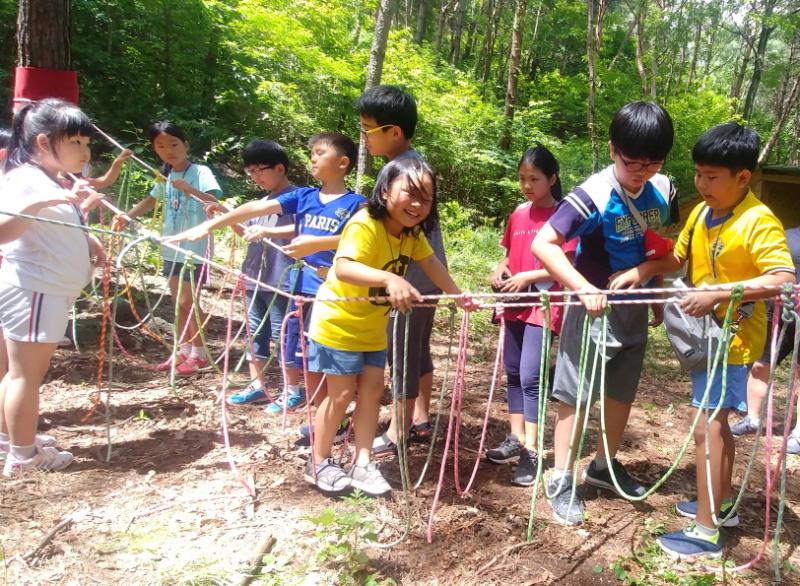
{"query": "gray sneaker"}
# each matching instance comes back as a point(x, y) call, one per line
point(560, 502)
point(793, 443)
point(330, 476)
point(525, 472)
point(507, 451)
point(744, 426)
point(369, 480)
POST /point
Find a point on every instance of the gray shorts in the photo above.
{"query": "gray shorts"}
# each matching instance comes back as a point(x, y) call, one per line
point(626, 341)
point(419, 361)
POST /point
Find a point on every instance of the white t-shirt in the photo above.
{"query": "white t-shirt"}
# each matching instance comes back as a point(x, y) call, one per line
point(46, 258)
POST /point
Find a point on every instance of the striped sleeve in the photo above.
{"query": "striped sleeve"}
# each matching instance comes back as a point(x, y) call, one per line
point(576, 215)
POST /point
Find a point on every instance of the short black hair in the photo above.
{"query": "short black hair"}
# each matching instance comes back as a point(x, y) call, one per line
point(413, 167)
point(343, 145)
point(5, 137)
point(165, 127)
point(389, 104)
point(265, 152)
point(642, 130)
point(729, 145)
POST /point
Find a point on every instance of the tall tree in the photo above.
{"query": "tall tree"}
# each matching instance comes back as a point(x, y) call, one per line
point(377, 54)
point(422, 21)
point(594, 34)
point(513, 72)
point(43, 38)
point(458, 30)
point(767, 26)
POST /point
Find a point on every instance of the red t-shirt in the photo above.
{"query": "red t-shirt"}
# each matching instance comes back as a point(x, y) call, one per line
point(523, 226)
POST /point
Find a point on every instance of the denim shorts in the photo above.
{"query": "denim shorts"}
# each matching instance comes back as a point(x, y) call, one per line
point(329, 360)
point(735, 390)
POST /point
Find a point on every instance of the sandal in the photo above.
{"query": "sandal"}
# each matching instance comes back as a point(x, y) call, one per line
point(420, 432)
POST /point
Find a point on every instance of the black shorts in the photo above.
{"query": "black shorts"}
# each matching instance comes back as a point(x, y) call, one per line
point(419, 361)
point(787, 344)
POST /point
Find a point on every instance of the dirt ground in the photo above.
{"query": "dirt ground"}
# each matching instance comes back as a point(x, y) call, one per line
point(166, 508)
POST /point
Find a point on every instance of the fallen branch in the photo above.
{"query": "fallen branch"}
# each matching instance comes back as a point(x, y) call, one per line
point(258, 560)
point(63, 525)
point(502, 554)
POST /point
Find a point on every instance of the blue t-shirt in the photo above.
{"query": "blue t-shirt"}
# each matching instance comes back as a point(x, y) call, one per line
point(793, 240)
point(266, 263)
point(314, 218)
point(182, 211)
point(611, 238)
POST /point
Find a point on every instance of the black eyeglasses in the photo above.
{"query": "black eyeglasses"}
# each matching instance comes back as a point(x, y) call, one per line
point(257, 171)
point(635, 166)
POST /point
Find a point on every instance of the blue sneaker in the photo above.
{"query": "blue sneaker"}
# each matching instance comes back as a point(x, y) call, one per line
point(689, 509)
point(292, 401)
point(689, 543)
point(252, 395)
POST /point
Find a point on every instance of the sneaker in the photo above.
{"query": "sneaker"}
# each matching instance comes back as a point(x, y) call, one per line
point(689, 509)
point(508, 450)
point(252, 395)
point(166, 366)
point(525, 472)
point(369, 480)
point(305, 433)
point(793, 443)
point(292, 401)
point(383, 447)
point(745, 426)
point(330, 476)
point(560, 502)
point(200, 362)
point(602, 479)
point(190, 366)
point(689, 543)
point(44, 459)
point(42, 440)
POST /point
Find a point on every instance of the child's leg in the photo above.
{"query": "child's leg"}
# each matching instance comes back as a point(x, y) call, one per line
point(422, 405)
point(3, 372)
point(182, 297)
point(562, 436)
point(530, 366)
point(409, 365)
point(617, 413)
point(365, 420)
point(512, 353)
point(757, 389)
point(720, 453)
point(341, 390)
point(28, 363)
point(259, 325)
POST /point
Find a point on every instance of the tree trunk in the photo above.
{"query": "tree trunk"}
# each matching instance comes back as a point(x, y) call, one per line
point(712, 40)
point(513, 71)
point(458, 29)
point(383, 22)
point(695, 51)
point(758, 62)
point(778, 127)
point(624, 42)
point(591, 115)
point(43, 34)
point(422, 21)
point(444, 8)
point(640, 17)
point(491, 36)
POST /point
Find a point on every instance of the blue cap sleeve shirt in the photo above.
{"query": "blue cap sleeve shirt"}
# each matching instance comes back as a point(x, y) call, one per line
point(182, 211)
point(266, 263)
point(611, 239)
point(314, 218)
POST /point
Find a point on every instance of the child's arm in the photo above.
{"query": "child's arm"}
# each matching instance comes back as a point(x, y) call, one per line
point(251, 209)
point(185, 187)
point(144, 206)
point(500, 274)
point(113, 172)
point(547, 248)
point(12, 227)
point(638, 275)
point(305, 245)
point(400, 292)
point(260, 232)
point(437, 273)
point(702, 302)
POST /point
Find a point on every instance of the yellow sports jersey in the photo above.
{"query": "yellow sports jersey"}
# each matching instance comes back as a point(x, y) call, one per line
point(360, 326)
point(747, 243)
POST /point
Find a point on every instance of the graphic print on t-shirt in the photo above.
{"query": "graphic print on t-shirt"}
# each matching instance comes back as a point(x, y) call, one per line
point(396, 266)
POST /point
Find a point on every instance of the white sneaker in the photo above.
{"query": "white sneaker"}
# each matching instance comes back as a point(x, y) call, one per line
point(44, 459)
point(42, 440)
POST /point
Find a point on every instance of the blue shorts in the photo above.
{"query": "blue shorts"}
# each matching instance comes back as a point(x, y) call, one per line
point(294, 349)
point(329, 360)
point(173, 269)
point(735, 392)
point(264, 326)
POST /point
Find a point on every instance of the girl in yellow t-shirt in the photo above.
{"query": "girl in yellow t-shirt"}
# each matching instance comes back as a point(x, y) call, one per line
point(348, 338)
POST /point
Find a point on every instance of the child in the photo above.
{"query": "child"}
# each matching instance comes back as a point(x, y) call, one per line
point(759, 375)
point(112, 174)
point(348, 339)
point(388, 118)
point(521, 271)
point(321, 214)
point(611, 240)
point(5, 138)
point(266, 163)
point(187, 182)
point(44, 269)
point(735, 238)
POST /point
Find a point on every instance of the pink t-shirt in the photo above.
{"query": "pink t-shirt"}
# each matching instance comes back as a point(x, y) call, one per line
point(523, 226)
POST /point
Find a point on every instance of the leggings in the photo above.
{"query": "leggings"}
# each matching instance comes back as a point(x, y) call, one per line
point(522, 350)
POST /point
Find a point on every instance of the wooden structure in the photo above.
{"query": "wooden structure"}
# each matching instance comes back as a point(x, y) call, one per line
point(779, 188)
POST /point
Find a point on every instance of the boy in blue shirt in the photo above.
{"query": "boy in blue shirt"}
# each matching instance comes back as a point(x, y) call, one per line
point(266, 164)
point(599, 211)
point(321, 213)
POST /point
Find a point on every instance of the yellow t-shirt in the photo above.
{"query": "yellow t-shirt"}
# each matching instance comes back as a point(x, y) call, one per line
point(360, 326)
point(747, 243)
